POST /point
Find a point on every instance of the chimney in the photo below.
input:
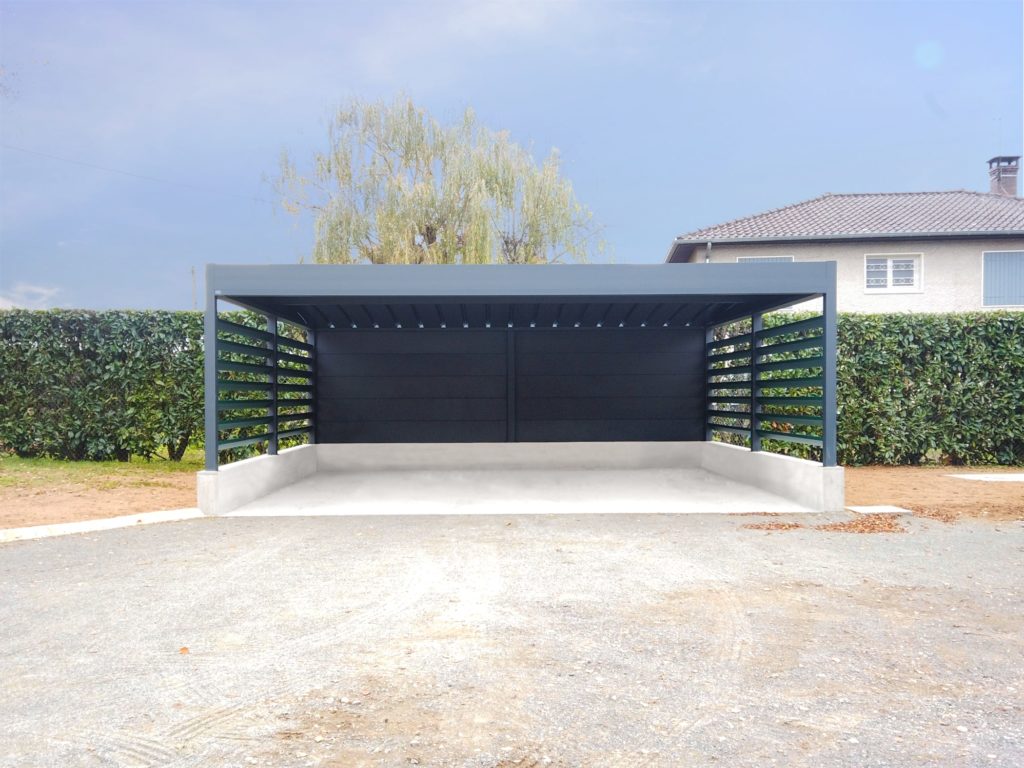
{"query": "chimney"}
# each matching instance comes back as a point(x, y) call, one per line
point(1002, 175)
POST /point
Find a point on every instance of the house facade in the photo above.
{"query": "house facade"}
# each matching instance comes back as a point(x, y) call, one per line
point(895, 252)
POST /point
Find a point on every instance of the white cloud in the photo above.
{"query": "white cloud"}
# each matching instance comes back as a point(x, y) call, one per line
point(28, 296)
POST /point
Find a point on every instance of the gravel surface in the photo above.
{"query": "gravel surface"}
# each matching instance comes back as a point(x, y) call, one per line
point(611, 640)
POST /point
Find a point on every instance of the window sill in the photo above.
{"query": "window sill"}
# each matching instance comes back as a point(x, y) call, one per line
point(890, 291)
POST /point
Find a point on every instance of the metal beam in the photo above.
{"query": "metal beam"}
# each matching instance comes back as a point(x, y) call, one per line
point(210, 377)
point(829, 352)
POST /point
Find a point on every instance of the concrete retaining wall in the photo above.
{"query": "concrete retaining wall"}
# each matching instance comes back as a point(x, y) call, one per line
point(236, 484)
point(806, 483)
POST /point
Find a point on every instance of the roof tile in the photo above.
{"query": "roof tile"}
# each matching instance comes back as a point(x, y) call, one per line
point(889, 213)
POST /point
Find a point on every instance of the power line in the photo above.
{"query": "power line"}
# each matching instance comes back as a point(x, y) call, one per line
point(134, 175)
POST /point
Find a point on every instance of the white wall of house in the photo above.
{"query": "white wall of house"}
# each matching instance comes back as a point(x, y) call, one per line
point(949, 276)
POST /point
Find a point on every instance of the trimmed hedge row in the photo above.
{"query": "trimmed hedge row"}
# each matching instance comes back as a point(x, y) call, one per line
point(108, 385)
point(100, 385)
point(946, 387)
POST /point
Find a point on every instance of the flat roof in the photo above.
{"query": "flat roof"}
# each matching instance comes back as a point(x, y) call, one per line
point(578, 295)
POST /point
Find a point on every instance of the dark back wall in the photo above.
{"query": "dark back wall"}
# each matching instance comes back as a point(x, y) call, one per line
point(498, 385)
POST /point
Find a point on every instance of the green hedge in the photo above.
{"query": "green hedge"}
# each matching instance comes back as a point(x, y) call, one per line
point(107, 385)
point(946, 387)
point(100, 385)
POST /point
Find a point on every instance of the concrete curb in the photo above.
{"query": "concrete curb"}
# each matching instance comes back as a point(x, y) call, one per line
point(103, 524)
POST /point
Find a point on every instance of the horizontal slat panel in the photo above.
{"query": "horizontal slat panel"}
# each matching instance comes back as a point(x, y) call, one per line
point(735, 399)
point(817, 401)
point(722, 357)
point(412, 364)
point(730, 430)
point(293, 420)
point(284, 341)
point(680, 342)
point(796, 383)
point(238, 442)
point(294, 387)
point(815, 342)
point(226, 326)
point(243, 386)
point(743, 415)
point(603, 363)
point(385, 387)
point(742, 339)
point(566, 385)
point(283, 415)
point(239, 423)
point(243, 349)
point(294, 432)
point(241, 405)
point(412, 409)
point(714, 385)
point(810, 324)
point(607, 408)
point(658, 429)
point(411, 432)
point(785, 418)
point(739, 370)
point(228, 366)
point(792, 365)
point(294, 358)
point(790, 437)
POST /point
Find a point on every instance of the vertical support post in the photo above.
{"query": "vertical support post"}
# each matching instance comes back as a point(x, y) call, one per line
point(709, 336)
point(756, 324)
point(210, 433)
point(830, 350)
point(510, 386)
point(315, 406)
point(272, 362)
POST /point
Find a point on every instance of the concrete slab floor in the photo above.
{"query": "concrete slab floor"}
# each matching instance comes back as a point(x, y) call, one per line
point(585, 641)
point(522, 491)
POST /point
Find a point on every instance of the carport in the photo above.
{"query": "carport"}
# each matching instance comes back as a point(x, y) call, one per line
point(495, 387)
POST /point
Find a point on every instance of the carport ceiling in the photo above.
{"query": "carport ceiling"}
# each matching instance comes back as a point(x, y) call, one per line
point(320, 312)
point(504, 296)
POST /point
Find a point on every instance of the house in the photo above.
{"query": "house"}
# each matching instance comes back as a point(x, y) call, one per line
point(895, 252)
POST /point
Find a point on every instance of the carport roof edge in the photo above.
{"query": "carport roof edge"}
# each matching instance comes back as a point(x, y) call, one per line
point(521, 282)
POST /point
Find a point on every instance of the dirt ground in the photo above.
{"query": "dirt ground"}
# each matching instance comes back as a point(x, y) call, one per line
point(40, 492)
point(930, 492)
point(43, 495)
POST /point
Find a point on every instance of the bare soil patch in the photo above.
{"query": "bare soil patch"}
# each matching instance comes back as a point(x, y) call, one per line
point(41, 493)
point(928, 492)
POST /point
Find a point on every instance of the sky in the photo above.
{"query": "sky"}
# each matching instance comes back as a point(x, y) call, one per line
point(137, 139)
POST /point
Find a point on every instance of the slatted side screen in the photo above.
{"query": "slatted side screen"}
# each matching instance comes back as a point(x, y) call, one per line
point(728, 385)
point(265, 385)
point(790, 380)
point(584, 385)
point(411, 386)
point(768, 383)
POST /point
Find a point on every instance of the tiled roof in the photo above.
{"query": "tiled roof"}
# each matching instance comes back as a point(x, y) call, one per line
point(892, 213)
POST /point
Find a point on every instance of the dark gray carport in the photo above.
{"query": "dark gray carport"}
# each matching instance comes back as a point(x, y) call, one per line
point(478, 353)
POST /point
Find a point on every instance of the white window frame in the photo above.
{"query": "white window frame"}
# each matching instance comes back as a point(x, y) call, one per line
point(982, 270)
point(918, 286)
point(763, 259)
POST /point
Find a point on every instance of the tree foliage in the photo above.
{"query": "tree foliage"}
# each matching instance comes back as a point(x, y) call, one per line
point(397, 186)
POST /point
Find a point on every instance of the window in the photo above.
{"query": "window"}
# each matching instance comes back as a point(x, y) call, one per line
point(741, 259)
point(892, 273)
point(1003, 278)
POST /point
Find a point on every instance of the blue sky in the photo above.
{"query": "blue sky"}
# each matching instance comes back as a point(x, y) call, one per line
point(668, 116)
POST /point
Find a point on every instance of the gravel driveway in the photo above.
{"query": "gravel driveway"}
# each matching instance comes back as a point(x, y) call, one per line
point(612, 640)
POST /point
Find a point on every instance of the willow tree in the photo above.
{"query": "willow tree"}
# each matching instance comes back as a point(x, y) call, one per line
point(396, 186)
